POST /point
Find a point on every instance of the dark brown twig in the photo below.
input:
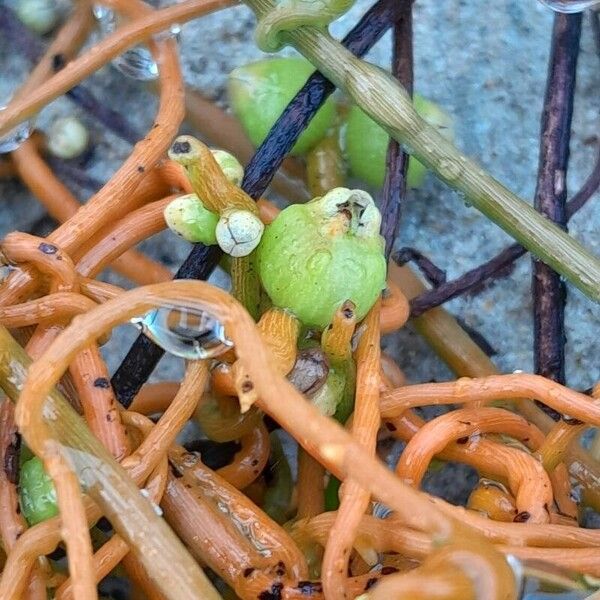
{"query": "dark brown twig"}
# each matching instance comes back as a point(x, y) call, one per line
point(549, 291)
point(434, 275)
point(394, 187)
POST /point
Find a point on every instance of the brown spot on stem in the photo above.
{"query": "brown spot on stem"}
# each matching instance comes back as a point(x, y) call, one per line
point(522, 517)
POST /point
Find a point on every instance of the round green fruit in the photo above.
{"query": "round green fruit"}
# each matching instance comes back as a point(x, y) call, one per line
point(40, 16)
point(260, 91)
point(366, 143)
point(315, 256)
point(37, 495)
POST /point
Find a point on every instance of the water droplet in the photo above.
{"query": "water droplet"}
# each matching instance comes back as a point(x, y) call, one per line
point(175, 30)
point(381, 511)
point(15, 137)
point(570, 6)
point(185, 332)
point(136, 63)
point(517, 569)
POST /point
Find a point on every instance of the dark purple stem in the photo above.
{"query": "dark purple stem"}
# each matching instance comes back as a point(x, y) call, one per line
point(74, 173)
point(394, 187)
point(501, 263)
point(549, 290)
point(143, 356)
point(434, 275)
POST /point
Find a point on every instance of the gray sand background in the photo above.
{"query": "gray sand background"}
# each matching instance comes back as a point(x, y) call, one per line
point(485, 63)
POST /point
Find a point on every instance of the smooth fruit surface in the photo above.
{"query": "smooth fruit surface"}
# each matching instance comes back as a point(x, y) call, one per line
point(366, 143)
point(260, 91)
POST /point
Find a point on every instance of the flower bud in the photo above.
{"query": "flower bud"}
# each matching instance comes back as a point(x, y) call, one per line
point(40, 16)
point(230, 165)
point(239, 232)
point(67, 138)
point(187, 217)
point(37, 495)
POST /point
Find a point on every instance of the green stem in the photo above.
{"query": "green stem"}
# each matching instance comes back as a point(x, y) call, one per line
point(386, 101)
point(245, 285)
point(133, 517)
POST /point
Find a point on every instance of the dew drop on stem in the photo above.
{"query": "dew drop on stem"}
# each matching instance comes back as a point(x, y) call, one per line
point(186, 332)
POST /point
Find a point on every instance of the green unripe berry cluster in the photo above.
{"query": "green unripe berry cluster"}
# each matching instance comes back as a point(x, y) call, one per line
point(260, 91)
point(366, 143)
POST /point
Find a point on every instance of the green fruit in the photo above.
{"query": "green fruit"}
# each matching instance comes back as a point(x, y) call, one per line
point(37, 495)
point(260, 91)
point(187, 217)
point(40, 16)
point(315, 256)
point(366, 143)
point(230, 165)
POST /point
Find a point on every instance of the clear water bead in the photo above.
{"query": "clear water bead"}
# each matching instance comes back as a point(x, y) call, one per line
point(189, 333)
point(135, 63)
point(570, 6)
point(381, 511)
point(15, 137)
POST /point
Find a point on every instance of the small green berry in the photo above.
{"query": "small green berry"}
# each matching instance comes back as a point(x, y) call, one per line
point(37, 495)
point(230, 165)
point(187, 217)
point(260, 91)
point(67, 138)
point(40, 16)
point(315, 256)
point(366, 143)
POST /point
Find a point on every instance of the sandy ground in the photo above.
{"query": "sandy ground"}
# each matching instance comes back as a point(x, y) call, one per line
point(485, 63)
